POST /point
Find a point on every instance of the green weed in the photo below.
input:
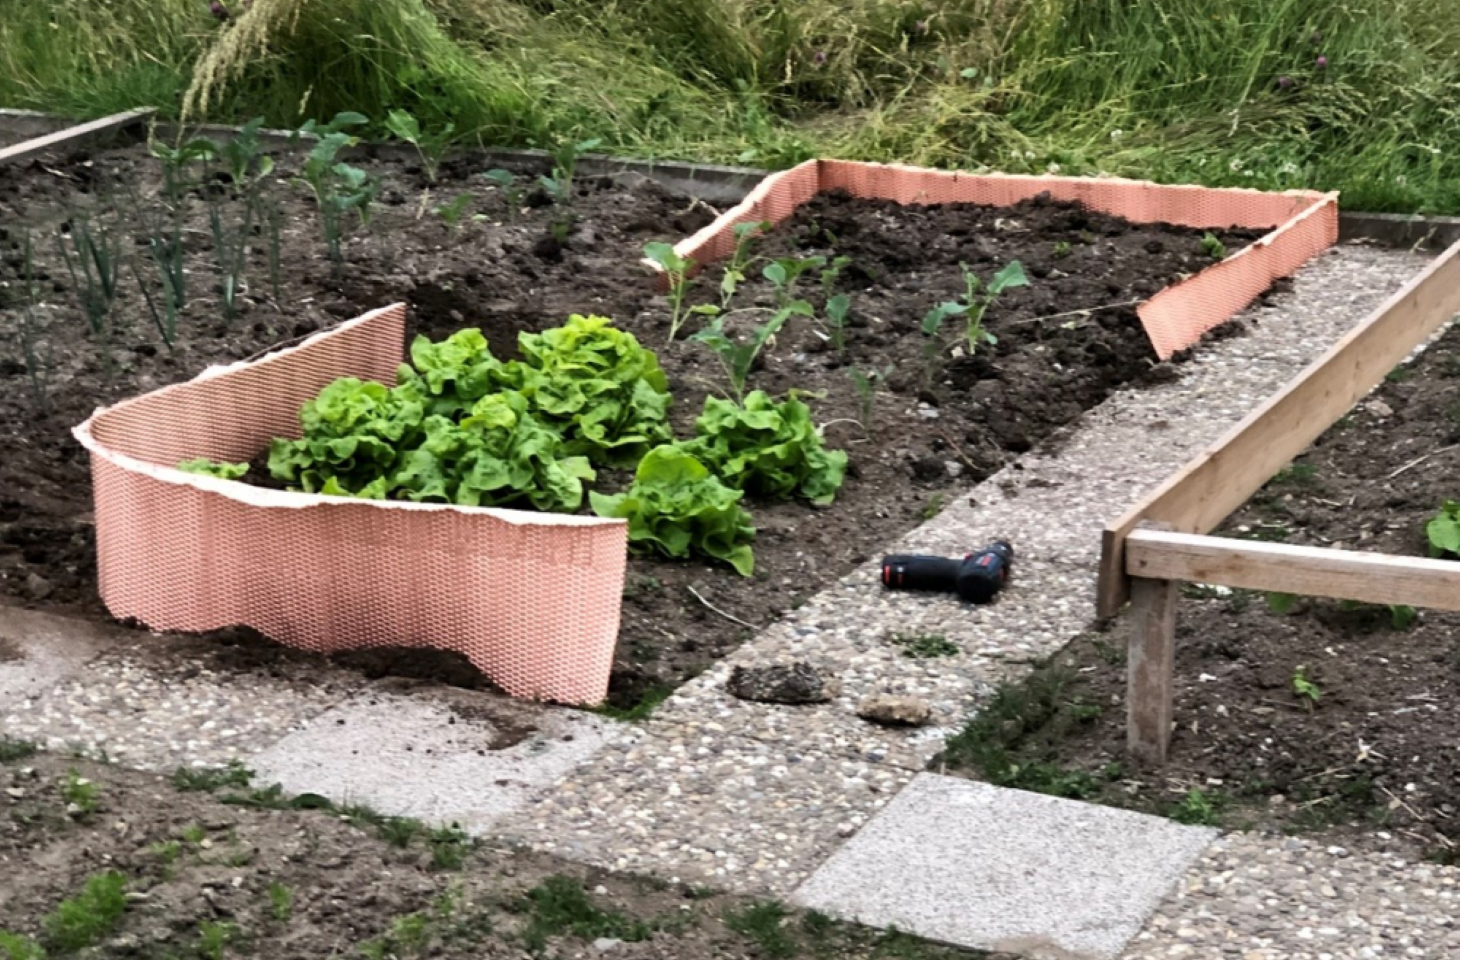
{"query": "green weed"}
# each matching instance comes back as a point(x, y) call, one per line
point(933, 507)
point(86, 918)
point(80, 794)
point(13, 750)
point(281, 902)
point(559, 906)
point(213, 937)
point(1210, 246)
point(450, 847)
point(766, 924)
point(208, 779)
point(1198, 808)
point(924, 646)
point(13, 946)
point(1305, 688)
point(642, 708)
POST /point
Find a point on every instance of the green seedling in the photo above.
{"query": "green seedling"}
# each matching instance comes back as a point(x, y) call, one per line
point(642, 709)
point(281, 902)
point(745, 236)
point(177, 161)
point(193, 834)
point(93, 261)
point(449, 847)
point(12, 749)
point(924, 646)
point(1212, 247)
point(1198, 808)
point(676, 275)
point(338, 188)
point(1281, 603)
point(213, 937)
point(342, 121)
point(1443, 530)
point(244, 158)
point(1402, 617)
point(1303, 687)
point(933, 507)
point(13, 946)
point(837, 308)
point(208, 779)
point(736, 358)
point(431, 147)
point(80, 795)
point(83, 920)
point(784, 272)
point(230, 249)
point(37, 370)
point(767, 925)
point(451, 213)
point(977, 298)
point(868, 383)
point(559, 906)
point(1061, 250)
point(559, 186)
point(512, 193)
point(831, 273)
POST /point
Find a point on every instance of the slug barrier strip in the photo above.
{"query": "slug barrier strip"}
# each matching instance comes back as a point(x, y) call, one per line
point(1161, 542)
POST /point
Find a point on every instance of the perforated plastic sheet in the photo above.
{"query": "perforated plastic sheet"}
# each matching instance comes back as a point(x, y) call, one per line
point(1302, 224)
point(531, 599)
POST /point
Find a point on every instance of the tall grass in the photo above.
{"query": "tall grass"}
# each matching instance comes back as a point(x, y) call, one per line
point(1217, 91)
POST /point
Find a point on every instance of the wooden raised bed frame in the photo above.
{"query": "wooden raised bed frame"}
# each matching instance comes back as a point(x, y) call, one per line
point(1162, 542)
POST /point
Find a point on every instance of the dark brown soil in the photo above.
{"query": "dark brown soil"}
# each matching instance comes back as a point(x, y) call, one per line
point(937, 430)
point(1372, 759)
point(275, 881)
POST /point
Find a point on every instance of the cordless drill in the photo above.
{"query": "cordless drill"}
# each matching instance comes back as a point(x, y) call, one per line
point(976, 578)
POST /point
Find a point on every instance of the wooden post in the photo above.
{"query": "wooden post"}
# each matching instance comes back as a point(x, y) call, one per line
point(1150, 665)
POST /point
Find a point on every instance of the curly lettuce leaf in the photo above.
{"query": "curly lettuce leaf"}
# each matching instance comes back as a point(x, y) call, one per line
point(451, 375)
point(767, 448)
point(605, 392)
point(353, 432)
point(677, 507)
point(212, 468)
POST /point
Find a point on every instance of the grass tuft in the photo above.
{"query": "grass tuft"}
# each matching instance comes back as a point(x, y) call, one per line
point(559, 906)
point(83, 920)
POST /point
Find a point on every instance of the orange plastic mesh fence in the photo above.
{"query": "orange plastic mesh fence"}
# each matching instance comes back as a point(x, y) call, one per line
point(531, 599)
point(1302, 224)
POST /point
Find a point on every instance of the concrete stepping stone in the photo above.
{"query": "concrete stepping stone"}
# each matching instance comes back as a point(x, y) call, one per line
point(983, 867)
point(441, 762)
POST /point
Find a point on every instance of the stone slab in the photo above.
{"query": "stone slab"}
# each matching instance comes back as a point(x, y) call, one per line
point(38, 650)
point(988, 868)
point(713, 808)
point(428, 760)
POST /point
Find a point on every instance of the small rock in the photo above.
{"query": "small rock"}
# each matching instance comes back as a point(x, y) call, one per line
point(605, 944)
point(895, 711)
point(37, 587)
point(1379, 408)
point(794, 683)
point(954, 468)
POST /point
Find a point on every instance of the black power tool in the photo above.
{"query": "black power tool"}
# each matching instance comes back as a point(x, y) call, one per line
point(976, 578)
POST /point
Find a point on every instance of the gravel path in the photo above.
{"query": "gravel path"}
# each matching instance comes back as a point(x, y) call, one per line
point(1274, 898)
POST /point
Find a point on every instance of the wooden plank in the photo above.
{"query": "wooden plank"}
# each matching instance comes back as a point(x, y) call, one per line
point(73, 136)
point(1150, 668)
point(1287, 568)
point(1221, 478)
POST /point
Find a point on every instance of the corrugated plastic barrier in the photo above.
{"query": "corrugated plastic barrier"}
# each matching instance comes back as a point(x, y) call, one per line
point(532, 599)
point(1302, 224)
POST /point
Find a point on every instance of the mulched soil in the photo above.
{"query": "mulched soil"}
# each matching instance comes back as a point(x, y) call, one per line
point(291, 879)
point(933, 432)
point(1372, 760)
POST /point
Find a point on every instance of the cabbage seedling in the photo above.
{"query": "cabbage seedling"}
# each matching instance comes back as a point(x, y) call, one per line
point(837, 309)
point(676, 272)
point(431, 147)
point(504, 181)
point(745, 235)
point(737, 358)
point(977, 298)
point(783, 273)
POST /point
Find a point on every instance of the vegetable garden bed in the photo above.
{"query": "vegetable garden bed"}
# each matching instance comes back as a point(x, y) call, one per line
point(506, 257)
point(1303, 714)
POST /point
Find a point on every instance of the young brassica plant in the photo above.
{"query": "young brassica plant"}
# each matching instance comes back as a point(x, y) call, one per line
point(784, 272)
point(512, 194)
point(676, 274)
point(740, 257)
point(736, 357)
point(338, 188)
point(868, 382)
point(977, 298)
point(431, 147)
